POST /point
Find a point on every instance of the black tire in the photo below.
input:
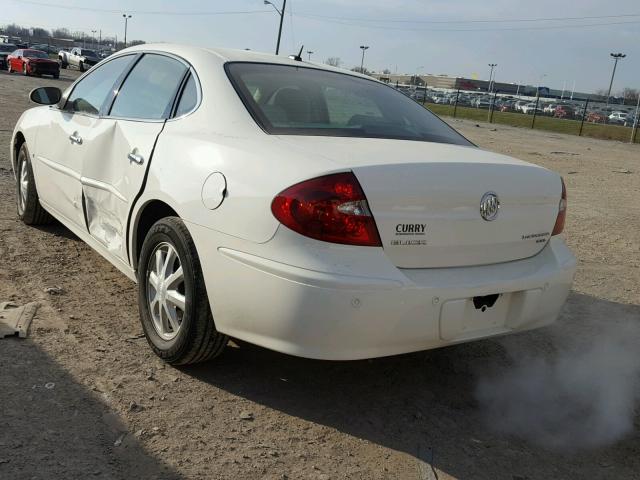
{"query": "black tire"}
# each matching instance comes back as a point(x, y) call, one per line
point(56, 76)
point(197, 339)
point(81, 66)
point(29, 211)
point(63, 64)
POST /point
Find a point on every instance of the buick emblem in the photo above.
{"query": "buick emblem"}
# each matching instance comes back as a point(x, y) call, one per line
point(489, 206)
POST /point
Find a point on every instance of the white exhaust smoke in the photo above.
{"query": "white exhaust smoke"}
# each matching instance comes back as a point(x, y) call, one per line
point(582, 396)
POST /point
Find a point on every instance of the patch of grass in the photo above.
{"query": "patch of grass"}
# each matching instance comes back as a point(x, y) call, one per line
point(571, 127)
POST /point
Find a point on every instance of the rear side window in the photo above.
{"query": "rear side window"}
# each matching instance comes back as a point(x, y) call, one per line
point(189, 97)
point(150, 88)
point(90, 93)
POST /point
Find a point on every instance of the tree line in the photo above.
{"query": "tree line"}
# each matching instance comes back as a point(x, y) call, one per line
point(25, 33)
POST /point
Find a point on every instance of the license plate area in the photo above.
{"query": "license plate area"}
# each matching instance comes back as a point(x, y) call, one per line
point(474, 317)
point(480, 316)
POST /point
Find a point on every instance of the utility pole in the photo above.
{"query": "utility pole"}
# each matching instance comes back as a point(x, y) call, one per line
point(309, 52)
point(93, 38)
point(492, 65)
point(100, 41)
point(126, 20)
point(364, 49)
point(616, 57)
point(281, 13)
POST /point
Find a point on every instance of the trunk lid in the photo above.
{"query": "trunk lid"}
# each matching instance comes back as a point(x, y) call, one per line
point(426, 200)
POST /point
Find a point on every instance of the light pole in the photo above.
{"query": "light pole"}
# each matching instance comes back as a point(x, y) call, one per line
point(415, 77)
point(126, 20)
point(364, 49)
point(540, 82)
point(616, 57)
point(281, 13)
point(573, 89)
point(93, 38)
point(309, 52)
point(492, 65)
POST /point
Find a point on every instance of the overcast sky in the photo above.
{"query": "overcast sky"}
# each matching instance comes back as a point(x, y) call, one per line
point(402, 34)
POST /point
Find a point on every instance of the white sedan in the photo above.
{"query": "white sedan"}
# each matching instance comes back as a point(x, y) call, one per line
point(296, 206)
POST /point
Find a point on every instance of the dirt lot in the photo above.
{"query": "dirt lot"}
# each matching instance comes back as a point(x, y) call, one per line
point(558, 403)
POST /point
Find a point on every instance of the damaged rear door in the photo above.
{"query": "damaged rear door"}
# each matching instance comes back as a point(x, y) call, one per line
point(122, 146)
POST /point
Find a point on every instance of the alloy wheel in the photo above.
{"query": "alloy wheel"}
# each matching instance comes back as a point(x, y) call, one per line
point(166, 290)
point(23, 186)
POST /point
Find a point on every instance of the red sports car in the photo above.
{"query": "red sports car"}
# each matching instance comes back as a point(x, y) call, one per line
point(32, 62)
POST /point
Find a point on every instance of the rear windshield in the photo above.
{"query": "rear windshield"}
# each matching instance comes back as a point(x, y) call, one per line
point(89, 53)
point(289, 100)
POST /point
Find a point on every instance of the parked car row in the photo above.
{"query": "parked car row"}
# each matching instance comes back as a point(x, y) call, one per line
point(36, 60)
point(563, 109)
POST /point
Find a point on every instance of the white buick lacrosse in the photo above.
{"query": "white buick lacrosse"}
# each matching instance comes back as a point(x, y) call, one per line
point(307, 209)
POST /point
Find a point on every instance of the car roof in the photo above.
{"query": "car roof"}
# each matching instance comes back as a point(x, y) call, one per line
point(225, 55)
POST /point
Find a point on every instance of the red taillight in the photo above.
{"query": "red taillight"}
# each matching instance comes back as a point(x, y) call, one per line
point(332, 208)
point(562, 212)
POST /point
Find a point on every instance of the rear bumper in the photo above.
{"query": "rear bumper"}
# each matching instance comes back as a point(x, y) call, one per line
point(342, 317)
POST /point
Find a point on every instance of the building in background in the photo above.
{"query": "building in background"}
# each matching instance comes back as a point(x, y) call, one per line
point(470, 84)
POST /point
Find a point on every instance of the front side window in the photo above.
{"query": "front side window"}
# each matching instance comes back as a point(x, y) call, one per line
point(150, 88)
point(291, 100)
point(92, 91)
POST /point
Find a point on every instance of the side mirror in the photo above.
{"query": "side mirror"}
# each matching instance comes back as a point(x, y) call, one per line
point(46, 95)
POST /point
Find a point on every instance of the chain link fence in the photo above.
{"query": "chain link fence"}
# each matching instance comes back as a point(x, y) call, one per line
point(563, 115)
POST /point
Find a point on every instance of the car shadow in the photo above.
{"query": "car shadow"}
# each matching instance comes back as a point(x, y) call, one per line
point(53, 427)
point(58, 229)
point(423, 404)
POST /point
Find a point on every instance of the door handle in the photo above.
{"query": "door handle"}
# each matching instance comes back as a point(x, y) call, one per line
point(75, 138)
point(135, 157)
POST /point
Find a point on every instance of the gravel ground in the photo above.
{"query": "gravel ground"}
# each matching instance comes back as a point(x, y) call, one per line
point(83, 396)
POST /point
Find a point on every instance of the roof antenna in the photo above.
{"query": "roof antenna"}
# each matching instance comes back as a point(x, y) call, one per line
point(298, 57)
